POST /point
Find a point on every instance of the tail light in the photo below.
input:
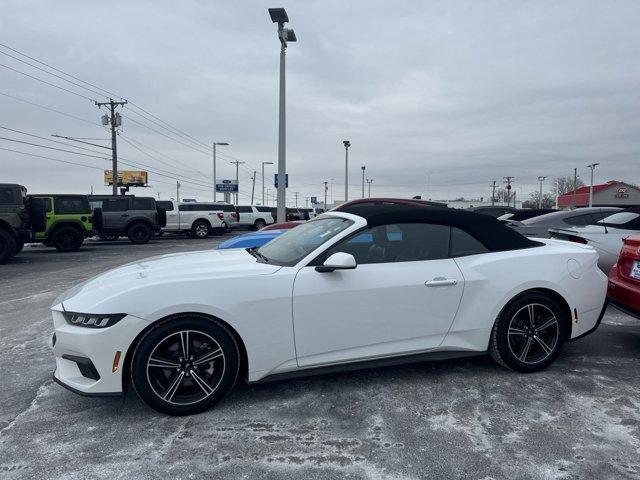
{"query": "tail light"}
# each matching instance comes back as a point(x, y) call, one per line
point(234, 215)
point(220, 215)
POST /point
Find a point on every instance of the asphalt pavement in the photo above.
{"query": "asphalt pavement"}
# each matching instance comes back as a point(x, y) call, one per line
point(452, 419)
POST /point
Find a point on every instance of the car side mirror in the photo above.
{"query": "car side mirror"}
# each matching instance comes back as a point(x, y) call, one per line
point(338, 261)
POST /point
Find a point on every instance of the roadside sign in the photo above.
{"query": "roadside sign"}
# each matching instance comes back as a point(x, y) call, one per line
point(314, 200)
point(286, 180)
point(226, 186)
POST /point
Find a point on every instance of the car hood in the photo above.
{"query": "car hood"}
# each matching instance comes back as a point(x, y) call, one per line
point(93, 295)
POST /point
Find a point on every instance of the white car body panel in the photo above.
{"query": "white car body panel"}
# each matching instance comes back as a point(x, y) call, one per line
point(248, 219)
point(386, 310)
point(181, 221)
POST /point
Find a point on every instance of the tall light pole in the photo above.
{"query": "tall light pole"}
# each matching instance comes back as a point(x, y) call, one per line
point(237, 164)
point(592, 166)
point(325, 195)
point(214, 166)
point(279, 16)
point(346, 144)
point(363, 169)
point(540, 179)
point(369, 182)
point(263, 164)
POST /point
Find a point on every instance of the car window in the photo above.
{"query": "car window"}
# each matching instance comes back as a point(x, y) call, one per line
point(264, 209)
point(463, 244)
point(139, 203)
point(402, 242)
point(243, 209)
point(585, 219)
point(186, 207)
point(206, 207)
point(115, 205)
point(225, 207)
point(296, 243)
point(620, 218)
point(48, 206)
point(165, 205)
point(8, 196)
point(71, 205)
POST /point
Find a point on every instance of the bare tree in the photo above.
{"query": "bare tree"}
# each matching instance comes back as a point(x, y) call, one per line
point(548, 200)
point(564, 185)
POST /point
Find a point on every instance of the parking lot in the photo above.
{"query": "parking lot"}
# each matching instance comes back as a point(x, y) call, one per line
point(462, 418)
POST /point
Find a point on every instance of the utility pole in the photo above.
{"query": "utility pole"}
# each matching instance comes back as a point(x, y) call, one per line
point(540, 179)
point(115, 120)
point(253, 188)
point(575, 186)
point(296, 194)
point(369, 182)
point(237, 164)
point(508, 181)
point(493, 193)
point(346, 144)
point(306, 202)
point(592, 166)
point(178, 191)
point(363, 169)
point(325, 195)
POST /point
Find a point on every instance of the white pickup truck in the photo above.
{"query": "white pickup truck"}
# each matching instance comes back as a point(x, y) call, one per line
point(198, 220)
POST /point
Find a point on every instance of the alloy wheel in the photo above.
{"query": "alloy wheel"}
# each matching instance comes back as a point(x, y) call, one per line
point(186, 367)
point(533, 333)
point(202, 231)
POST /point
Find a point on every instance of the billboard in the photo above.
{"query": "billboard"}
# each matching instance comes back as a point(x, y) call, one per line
point(227, 186)
point(127, 178)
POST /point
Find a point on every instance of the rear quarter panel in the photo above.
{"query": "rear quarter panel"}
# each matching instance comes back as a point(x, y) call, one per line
point(492, 280)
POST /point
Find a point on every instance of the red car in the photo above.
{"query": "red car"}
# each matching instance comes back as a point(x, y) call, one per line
point(624, 278)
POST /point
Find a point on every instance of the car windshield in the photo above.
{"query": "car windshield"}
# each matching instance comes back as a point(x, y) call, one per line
point(620, 218)
point(295, 244)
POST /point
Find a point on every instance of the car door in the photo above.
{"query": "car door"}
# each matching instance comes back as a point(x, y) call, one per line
point(173, 216)
point(401, 298)
point(115, 213)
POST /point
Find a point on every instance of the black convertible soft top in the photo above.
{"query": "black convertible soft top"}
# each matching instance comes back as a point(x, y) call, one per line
point(492, 233)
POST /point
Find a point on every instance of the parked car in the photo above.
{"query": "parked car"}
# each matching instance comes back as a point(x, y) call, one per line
point(195, 219)
point(137, 218)
point(525, 214)
point(68, 221)
point(19, 218)
point(314, 212)
point(291, 214)
point(231, 217)
point(605, 236)
point(494, 210)
point(184, 327)
point(624, 278)
point(259, 238)
point(354, 205)
point(254, 216)
point(539, 226)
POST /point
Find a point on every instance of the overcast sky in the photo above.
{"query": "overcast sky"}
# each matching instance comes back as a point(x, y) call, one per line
point(437, 98)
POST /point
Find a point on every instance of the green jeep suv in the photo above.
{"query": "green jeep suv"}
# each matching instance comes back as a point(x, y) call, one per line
point(68, 221)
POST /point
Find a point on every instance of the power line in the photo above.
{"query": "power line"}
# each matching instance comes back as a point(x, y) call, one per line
point(48, 108)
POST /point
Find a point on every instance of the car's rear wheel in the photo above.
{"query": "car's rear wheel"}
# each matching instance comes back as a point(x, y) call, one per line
point(259, 224)
point(185, 365)
point(139, 233)
point(529, 334)
point(7, 246)
point(200, 230)
point(67, 239)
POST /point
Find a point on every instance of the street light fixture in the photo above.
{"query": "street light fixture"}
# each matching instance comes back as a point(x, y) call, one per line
point(540, 179)
point(279, 16)
point(346, 144)
point(363, 169)
point(263, 164)
point(592, 166)
point(214, 166)
point(369, 182)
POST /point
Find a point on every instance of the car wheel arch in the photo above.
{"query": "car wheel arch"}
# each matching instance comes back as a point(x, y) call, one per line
point(128, 358)
point(65, 223)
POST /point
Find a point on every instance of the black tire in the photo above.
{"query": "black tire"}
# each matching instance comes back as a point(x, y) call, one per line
point(259, 224)
point(7, 246)
point(529, 333)
point(67, 239)
point(19, 246)
point(139, 233)
point(108, 238)
point(206, 337)
point(200, 229)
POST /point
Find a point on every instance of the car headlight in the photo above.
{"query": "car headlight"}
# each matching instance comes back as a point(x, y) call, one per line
point(90, 320)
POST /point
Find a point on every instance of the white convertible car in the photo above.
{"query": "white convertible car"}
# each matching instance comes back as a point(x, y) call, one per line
point(345, 290)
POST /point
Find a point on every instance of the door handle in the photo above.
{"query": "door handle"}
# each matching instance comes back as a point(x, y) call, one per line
point(124, 215)
point(441, 282)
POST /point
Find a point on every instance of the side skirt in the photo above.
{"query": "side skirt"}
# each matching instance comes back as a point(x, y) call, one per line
point(368, 364)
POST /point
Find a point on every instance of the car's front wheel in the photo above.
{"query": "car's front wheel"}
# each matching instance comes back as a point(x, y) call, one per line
point(529, 334)
point(185, 365)
point(67, 239)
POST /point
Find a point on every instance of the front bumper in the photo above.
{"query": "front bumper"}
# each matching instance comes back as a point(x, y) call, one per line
point(85, 356)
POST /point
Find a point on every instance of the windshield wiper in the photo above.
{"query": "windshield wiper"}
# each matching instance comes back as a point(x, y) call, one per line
point(254, 251)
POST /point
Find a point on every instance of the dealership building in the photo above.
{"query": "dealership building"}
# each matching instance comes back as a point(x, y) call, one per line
point(610, 194)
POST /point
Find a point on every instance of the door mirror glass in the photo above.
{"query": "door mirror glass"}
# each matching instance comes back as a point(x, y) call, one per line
point(338, 261)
